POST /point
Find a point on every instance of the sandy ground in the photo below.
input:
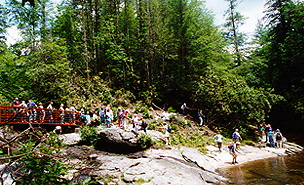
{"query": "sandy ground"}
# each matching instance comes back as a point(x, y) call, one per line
point(246, 153)
point(249, 153)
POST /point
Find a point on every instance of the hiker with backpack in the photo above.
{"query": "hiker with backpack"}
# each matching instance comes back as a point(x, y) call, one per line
point(124, 117)
point(267, 129)
point(236, 136)
point(279, 138)
point(143, 125)
point(233, 150)
point(102, 114)
point(167, 130)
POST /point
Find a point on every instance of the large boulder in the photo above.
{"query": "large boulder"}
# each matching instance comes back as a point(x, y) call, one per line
point(150, 167)
point(117, 140)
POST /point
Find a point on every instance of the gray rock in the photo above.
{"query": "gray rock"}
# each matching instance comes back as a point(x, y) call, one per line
point(6, 176)
point(70, 139)
point(196, 157)
point(117, 140)
point(154, 167)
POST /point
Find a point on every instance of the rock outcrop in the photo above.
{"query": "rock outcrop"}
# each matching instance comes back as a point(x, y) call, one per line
point(120, 141)
point(181, 165)
point(117, 140)
point(114, 140)
point(128, 163)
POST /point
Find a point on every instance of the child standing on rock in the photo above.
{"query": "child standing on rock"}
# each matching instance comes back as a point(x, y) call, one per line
point(233, 150)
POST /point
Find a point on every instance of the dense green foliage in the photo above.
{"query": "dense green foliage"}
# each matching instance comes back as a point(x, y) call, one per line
point(35, 158)
point(163, 52)
point(88, 135)
point(145, 140)
point(282, 42)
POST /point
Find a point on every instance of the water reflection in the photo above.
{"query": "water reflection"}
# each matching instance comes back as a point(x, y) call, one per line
point(278, 170)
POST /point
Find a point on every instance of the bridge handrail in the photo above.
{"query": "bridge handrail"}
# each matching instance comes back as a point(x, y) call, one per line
point(36, 115)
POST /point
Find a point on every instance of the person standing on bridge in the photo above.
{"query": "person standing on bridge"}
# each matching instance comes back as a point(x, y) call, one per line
point(72, 110)
point(16, 105)
point(32, 110)
point(42, 112)
point(23, 107)
point(61, 110)
point(50, 112)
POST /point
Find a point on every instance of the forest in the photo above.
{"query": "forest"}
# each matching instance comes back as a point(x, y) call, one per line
point(159, 52)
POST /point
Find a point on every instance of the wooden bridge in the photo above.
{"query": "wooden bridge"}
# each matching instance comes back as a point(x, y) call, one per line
point(10, 115)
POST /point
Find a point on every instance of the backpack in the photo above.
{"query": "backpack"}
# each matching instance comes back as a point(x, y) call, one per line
point(234, 136)
point(230, 146)
point(120, 114)
point(278, 136)
point(144, 124)
point(169, 129)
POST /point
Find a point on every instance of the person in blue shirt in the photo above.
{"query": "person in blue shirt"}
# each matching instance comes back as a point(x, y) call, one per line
point(88, 118)
point(271, 138)
point(236, 136)
point(32, 110)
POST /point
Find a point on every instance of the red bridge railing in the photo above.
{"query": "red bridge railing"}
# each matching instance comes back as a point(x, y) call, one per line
point(25, 115)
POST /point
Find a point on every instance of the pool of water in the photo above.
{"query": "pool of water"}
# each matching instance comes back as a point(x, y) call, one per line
point(277, 170)
point(273, 171)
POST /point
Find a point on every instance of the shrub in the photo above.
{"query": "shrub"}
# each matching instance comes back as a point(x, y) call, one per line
point(39, 165)
point(89, 135)
point(145, 140)
point(137, 110)
point(42, 170)
point(203, 150)
point(152, 125)
point(174, 127)
point(248, 142)
point(172, 117)
point(192, 138)
point(184, 122)
point(146, 114)
point(171, 110)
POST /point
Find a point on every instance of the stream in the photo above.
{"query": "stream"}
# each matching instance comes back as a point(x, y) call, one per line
point(274, 171)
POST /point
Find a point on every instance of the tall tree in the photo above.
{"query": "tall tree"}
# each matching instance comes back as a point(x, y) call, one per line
point(32, 21)
point(284, 55)
point(234, 21)
point(3, 20)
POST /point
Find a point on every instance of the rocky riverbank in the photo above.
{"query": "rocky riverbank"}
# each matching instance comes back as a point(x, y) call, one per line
point(166, 165)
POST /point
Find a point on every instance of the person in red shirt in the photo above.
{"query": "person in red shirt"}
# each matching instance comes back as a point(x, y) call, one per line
point(16, 105)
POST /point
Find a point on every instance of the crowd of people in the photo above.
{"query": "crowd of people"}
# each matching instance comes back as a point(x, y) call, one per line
point(273, 139)
point(103, 115)
point(99, 115)
point(31, 112)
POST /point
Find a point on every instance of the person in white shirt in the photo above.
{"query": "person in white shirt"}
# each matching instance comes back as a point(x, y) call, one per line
point(219, 140)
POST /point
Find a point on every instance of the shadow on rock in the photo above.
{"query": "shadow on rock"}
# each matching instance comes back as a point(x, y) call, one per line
point(118, 141)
